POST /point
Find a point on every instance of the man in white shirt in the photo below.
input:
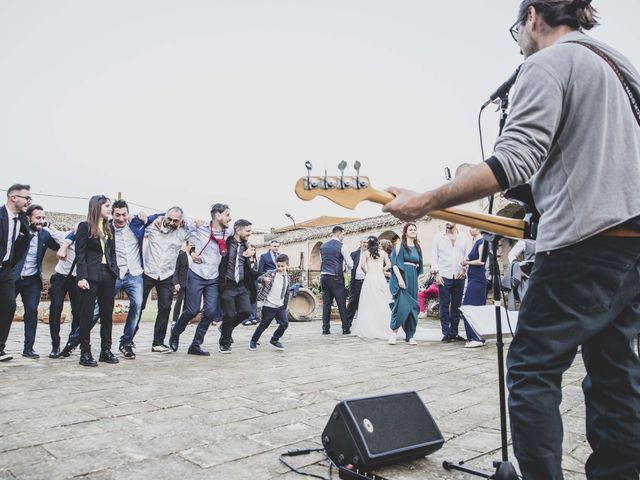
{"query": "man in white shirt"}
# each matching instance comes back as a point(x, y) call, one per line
point(448, 252)
point(14, 239)
point(164, 240)
point(355, 283)
point(334, 255)
point(28, 275)
point(202, 279)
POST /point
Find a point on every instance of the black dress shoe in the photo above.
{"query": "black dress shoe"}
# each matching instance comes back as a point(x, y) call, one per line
point(66, 351)
point(174, 341)
point(326, 332)
point(55, 352)
point(446, 339)
point(87, 360)
point(458, 338)
point(346, 332)
point(108, 357)
point(196, 350)
point(30, 354)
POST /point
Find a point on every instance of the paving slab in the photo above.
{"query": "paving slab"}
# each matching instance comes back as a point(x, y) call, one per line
point(175, 415)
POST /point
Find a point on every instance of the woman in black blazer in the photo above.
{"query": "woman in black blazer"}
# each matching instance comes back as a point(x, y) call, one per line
point(97, 269)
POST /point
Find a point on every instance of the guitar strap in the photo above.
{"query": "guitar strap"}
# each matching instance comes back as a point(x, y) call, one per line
point(635, 104)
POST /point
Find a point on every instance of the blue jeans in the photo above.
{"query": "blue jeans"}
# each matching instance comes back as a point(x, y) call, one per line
point(198, 289)
point(132, 286)
point(268, 314)
point(29, 289)
point(450, 298)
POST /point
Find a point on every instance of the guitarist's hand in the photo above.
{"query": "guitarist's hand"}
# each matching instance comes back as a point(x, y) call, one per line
point(407, 205)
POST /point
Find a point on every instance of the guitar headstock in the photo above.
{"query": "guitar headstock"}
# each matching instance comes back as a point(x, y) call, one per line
point(346, 191)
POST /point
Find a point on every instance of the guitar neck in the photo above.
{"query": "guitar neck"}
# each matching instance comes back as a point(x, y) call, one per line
point(506, 227)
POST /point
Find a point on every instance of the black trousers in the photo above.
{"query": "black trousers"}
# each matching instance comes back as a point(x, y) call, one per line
point(587, 294)
point(236, 307)
point(177, 307)
point(354, 300)
point(104, 292)
point(59, 286)
point(7, 304)
point(164, 289)
point(333, 288)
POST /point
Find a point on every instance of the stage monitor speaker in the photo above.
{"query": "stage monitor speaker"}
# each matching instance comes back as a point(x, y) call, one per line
point(375, 431)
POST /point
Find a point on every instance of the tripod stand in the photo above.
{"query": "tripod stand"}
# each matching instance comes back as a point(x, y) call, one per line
point(504, 468)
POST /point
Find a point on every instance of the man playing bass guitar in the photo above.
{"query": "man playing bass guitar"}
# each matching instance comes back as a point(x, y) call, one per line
point(575, 124)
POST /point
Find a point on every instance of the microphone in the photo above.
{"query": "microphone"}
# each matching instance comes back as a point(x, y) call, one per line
point(503, 89)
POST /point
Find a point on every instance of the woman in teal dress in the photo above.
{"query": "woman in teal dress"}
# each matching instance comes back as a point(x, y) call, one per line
point(406, 264)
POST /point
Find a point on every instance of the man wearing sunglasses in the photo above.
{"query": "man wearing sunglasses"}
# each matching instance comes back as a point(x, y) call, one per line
point(14, 241)
point(574, 134)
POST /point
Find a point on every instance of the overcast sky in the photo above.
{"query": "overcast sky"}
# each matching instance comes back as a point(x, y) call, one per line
point(192, 102)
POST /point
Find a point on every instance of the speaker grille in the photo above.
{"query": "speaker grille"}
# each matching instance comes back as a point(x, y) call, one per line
point(393, 422)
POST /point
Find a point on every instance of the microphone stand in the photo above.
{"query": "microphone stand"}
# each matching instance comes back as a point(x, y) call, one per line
point(504, 469)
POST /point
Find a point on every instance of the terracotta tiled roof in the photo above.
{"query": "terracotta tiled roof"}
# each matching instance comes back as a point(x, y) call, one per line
point(65, 221)
point(323, 221)
point(354, 226)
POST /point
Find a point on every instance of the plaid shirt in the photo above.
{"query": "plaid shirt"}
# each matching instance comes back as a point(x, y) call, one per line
point(265, 289)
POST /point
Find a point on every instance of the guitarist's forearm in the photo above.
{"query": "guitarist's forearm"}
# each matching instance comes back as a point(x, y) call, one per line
point(478, 182)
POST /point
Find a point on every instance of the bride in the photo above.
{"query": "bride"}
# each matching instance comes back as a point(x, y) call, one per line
point(374, 312)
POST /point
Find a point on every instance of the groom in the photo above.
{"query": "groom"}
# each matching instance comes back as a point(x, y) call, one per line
point(355, 284)
point(333, 255)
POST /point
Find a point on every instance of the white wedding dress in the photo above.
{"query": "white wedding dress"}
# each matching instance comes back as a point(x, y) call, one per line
point(374, 313)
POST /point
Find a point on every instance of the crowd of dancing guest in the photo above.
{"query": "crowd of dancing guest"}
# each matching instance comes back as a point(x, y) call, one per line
point(210, 265)
point(212, 269)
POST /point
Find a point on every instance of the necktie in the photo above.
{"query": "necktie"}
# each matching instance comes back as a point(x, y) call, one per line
point(13, 240)
point(237, 269)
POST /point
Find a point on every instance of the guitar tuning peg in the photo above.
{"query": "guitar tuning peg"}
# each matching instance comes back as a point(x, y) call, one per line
point(357, 166)
point(341, 166)
point(308, 166)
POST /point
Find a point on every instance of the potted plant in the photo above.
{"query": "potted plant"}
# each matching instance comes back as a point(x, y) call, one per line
point(120, 313)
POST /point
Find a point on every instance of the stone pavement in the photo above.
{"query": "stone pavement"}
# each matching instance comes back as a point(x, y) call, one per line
point(168, 416)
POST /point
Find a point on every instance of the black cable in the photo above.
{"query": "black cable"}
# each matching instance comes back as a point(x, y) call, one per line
point(295, 453)
point(480, 131)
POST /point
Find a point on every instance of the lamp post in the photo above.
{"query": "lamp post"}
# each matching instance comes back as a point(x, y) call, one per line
point(289, 215)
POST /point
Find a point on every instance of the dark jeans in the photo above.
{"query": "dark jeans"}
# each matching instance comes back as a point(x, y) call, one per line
point(178, 306)
point(29, 289)
point(450, 299)
point(133, 286)
point(354, 299)
point(587, 294)
point(268, 314)
point(236, 307)
point(103, 291)
point(7, 304)
point(164, 289)
point(333, 287)
point(59, 286)
point(198, 290)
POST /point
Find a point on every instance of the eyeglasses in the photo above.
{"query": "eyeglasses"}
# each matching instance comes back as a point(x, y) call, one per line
point(514, 30)
point(27, 198)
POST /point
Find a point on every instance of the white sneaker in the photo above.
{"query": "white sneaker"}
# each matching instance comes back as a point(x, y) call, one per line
point(160, 348)
point(412, 341)
point(475, 344)
point(423, 314)
point(392, 338)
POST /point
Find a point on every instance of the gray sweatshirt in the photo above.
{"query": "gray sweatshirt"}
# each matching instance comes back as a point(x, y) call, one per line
point(572, 133)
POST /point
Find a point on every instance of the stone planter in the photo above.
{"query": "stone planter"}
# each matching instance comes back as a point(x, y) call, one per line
point(119, 317)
